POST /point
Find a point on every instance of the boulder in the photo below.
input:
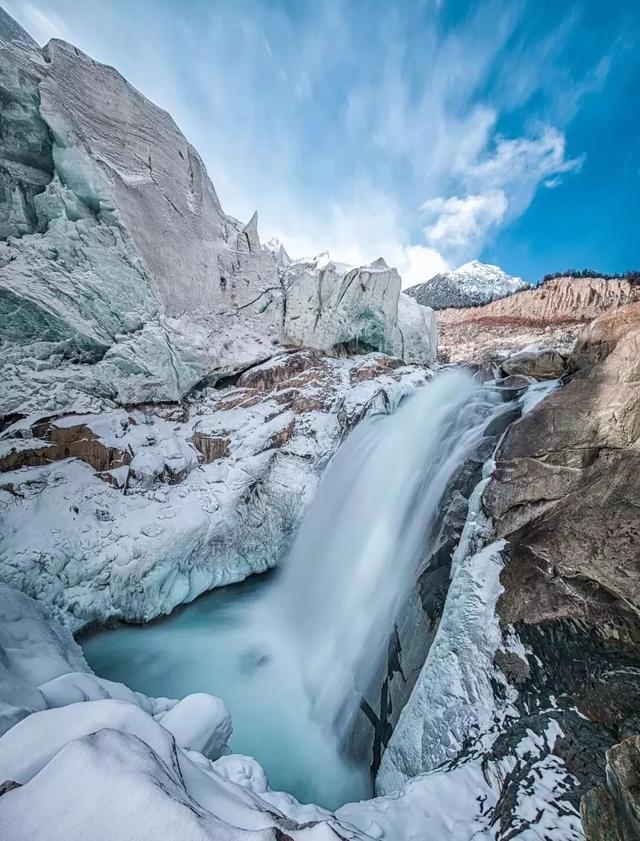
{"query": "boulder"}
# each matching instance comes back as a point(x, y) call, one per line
point(597, 340)
point(538, 362)
point(200, 722)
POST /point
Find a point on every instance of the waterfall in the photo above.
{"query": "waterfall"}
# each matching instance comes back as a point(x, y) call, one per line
point(360, 544)
point(293, 653)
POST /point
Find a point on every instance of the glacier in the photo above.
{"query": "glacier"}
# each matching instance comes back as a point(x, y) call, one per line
point(121, 278)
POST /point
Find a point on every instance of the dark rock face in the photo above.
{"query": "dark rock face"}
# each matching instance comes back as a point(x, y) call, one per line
point(565, 496)
point(613, 813)
point(580, 748)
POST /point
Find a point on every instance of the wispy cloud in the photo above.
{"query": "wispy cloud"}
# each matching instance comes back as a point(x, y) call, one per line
point(499, 185)
point(458, 223)
point(376, 130)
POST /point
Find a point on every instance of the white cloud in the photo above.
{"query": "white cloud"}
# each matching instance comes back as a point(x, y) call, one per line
point(420, 263)
point(520, 164)
point(356, 231)
point(499, 186)
point(463, 223)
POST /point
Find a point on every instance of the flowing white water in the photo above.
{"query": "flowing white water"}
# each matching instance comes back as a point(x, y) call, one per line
point(358, 549)
point(292, 655)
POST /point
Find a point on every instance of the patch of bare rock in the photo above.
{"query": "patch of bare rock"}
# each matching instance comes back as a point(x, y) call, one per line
point(551, 315)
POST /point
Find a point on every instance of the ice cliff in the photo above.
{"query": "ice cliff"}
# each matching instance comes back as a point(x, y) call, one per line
point(120, 275)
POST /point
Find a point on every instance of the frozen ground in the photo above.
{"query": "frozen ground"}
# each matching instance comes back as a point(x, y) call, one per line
point(128, 513)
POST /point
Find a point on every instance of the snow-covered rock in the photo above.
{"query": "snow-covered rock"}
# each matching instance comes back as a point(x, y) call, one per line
point(471, 285)
point(200, 722)
point(112, 765)
point(42, 667)
point(138, 511)
point(453, 697)
point(93, 759)
point(536, 361)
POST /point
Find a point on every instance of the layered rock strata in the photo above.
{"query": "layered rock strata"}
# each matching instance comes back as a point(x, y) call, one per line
point(552, 315)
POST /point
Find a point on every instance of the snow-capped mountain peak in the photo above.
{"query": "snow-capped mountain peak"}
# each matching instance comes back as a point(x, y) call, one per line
point(472, 284)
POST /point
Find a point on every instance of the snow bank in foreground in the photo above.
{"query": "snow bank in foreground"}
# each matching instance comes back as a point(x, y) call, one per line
point(91, 759)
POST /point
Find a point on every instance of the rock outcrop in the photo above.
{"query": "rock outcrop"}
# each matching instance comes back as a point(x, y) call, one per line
point(552, 315)
point(532, 674)
point(565, 496)
point(539, 363)
point(565, 491)
point(613, 813)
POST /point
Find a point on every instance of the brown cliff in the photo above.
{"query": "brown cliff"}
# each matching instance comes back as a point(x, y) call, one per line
point(565, 496)
point(553, 314)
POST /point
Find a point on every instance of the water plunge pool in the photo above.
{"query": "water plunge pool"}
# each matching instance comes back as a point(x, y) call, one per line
point(216, 644)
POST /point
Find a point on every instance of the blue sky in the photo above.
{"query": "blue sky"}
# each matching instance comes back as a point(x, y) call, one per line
point(429, 133)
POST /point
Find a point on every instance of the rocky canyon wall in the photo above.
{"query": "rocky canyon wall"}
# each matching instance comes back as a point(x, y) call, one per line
point(552, 314)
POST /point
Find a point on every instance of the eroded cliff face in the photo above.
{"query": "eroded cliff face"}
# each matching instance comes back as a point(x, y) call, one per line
point(552, 314)
point(565, 497)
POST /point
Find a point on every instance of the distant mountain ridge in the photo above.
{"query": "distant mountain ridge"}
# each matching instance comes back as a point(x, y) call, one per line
point(473, 284)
